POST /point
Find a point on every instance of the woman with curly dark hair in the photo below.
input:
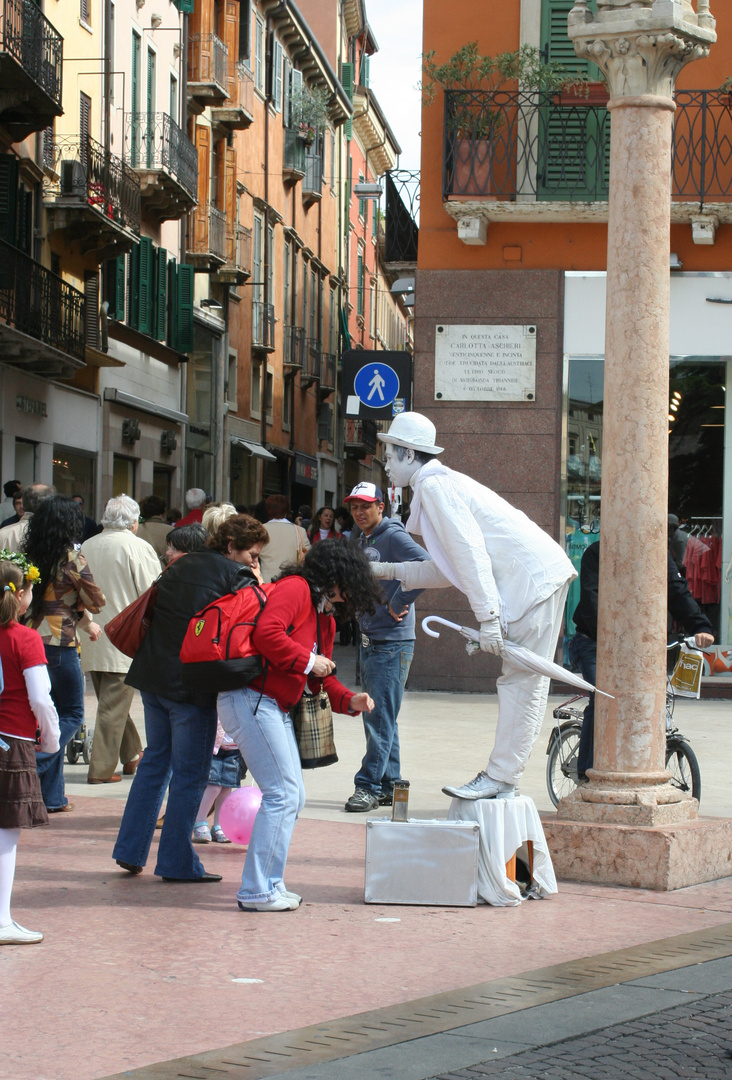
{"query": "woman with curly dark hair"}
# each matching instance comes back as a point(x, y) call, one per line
point(63, 600)
point(295, 635)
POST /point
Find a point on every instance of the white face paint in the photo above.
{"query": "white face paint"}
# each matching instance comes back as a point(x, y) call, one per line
point(399, 472)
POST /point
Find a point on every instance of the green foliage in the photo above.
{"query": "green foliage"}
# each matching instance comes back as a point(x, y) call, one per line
point(310, 107)
point(468, 70)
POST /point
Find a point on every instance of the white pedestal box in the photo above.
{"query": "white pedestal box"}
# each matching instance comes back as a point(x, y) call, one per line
point(422, 862)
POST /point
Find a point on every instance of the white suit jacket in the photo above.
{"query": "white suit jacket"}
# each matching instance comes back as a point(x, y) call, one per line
point(502, 560)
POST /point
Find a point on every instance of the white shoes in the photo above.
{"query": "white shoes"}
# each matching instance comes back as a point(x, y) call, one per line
point(291, 896)
point(482, 786)
point(15, 934)
point(282, 903)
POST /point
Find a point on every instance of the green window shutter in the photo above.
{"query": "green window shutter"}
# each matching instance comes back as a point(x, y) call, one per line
point(118, 293)
point(146, 286)
point(185, 308)
point(347, 81)
point(185, 6)
point(172, 338)
point(161, 274)
point(8, 198)
point(555, 38)
point(133, 292)
point(25, 219)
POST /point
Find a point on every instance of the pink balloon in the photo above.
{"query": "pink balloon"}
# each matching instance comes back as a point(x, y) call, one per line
point(238, 812)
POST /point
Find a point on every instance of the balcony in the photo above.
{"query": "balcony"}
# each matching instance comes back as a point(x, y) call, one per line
point(327, 374)
point(531, 156)
point(41, 317)
point(293, 163)
point(312, 184)
point(263, 325)
point(360, 438)
point(165, 160)
point(401, 229)
point(311, 368)
point(208, 60)
point(91, 195)
point(31, 55)
point(237, 112)
point(206, 237)
point(295, 346)
point(238, 265)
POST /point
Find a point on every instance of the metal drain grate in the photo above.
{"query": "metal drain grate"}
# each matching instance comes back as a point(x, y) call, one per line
point(441, 1012)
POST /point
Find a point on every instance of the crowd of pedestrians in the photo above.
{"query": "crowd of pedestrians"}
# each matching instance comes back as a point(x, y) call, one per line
point(63, 577)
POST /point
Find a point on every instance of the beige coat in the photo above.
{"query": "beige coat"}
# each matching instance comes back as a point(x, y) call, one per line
point(12, 536)
point(287, 544)
point(123, 567)
point(155, 531)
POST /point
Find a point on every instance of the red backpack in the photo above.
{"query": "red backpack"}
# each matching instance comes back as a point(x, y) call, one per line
point(217, 652)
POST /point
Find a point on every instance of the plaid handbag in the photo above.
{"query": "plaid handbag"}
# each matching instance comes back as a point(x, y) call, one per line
point(313, 721)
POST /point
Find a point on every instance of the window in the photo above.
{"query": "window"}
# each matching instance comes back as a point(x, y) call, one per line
point(270, 263)
point(360, 284)
point(333, 323)
point(292, 116)
point(313, 303)
point(232, 378)
point(123, 476)
point(173, 106)
point(158, 294)
point(269, 393)
point(347, 82)
point(245, 32)
point(287, 403)
point(259, 54)
point(304, 293)
point(85, 105)
point(277, 75)
point(372, 308)
point(286, 271)
point(332, 161)
point(255, 406)
point(85, 12)
point(112, 50)
point(258, 228)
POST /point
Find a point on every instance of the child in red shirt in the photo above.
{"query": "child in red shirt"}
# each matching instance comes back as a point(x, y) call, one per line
point(25, 707)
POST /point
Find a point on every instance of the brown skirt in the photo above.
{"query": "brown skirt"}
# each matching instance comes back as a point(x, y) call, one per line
point(21, 803)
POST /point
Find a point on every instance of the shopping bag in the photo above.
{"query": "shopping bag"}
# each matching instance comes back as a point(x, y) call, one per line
point(313, 721)
point(686, 677)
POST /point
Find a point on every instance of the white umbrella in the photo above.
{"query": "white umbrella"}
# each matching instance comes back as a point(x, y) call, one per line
point(525, 658)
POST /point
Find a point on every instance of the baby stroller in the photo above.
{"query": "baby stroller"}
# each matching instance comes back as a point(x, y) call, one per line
point(80, 745)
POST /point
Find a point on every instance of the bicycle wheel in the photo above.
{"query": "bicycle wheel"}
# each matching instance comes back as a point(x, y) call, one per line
point(561, 767)
point(683, 766)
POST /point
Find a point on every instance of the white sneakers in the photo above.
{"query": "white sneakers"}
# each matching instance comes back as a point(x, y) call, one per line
point(286, 901)
point(15, 934)
point(482, 786)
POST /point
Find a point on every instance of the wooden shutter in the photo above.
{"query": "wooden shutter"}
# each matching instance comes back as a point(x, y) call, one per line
point(230, 204)
point(161, 294)
point(185, 308)
point(146, 285)
point(203, 150)
point(231, 40)
point(347, 81)
point(220, 192)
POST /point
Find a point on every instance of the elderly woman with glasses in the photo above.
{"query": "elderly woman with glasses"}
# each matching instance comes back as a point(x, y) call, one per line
point(294, 635)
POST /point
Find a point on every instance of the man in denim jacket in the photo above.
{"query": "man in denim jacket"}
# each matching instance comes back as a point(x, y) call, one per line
point(387, 648)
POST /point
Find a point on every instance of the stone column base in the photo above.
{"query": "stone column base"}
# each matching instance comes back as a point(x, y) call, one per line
point(661, 857)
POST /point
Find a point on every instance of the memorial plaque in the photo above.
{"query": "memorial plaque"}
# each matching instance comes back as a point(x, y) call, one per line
point(485, 363)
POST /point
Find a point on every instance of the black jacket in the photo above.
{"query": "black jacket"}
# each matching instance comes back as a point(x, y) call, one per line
point(681, 603)
point(186, 587)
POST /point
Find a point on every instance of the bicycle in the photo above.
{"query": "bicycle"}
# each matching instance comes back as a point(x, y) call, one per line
point(563, 747)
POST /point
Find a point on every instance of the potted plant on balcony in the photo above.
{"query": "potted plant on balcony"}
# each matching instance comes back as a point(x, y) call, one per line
point(309, 112)
point(477, 112)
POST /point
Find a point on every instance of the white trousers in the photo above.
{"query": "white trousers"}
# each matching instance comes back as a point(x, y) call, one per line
point(522, 695)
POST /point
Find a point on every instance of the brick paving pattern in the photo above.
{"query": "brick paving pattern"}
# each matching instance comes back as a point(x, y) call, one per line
point(693, 1040)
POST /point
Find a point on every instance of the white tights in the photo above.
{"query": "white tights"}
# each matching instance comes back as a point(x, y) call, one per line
point(8, 847)
point(213, 796)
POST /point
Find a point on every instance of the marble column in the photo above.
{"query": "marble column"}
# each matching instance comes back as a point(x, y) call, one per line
point(640, 45)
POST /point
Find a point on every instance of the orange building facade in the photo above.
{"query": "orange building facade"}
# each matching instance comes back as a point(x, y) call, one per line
point(512, 246)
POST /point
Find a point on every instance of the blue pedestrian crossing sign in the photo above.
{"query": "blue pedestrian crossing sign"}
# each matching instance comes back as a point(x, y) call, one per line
point(376, 385)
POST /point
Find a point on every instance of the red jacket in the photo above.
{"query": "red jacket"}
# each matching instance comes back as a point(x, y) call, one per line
point(193, 517)
point(332, 535)
point(286, 635)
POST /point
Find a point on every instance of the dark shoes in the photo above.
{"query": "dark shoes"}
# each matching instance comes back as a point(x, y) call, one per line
point(130, 767)
point(386, 798)
point(362, 801)
point(109, 780)
point(129, 867)
point(186, 880)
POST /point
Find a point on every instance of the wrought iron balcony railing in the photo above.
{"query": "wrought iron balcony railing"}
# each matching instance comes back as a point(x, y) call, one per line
point(263, 324)
point(89, 174)
point(521, 146)
point(207, 61)
point(295, 344)
point(155, 141)
point(313, 354)
point(207, 233)
point(360, 437)
point(239, 248)
point(401, 219)
point(35, 43)
point(294, 153)
point(327, 373)
point(39, 303)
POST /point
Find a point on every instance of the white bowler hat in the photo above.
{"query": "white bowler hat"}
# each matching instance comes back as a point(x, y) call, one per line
point(414, 431)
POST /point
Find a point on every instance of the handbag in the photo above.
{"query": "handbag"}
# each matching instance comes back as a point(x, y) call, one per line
point(127, 630)
point(312, 718)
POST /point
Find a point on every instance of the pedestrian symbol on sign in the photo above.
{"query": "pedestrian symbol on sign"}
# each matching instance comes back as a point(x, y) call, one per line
point(376, 384)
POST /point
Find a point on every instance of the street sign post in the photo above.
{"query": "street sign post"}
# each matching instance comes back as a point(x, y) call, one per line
point(376, 385)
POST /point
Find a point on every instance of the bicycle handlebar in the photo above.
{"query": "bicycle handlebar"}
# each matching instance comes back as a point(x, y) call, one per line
point(688, 641)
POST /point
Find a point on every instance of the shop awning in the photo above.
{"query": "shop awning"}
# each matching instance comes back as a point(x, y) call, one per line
point(255, 449)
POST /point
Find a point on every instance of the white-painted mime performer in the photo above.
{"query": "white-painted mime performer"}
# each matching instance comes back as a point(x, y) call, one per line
point(514, 575)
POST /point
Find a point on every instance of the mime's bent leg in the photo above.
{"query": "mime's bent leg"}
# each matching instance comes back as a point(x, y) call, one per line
point(522, 696)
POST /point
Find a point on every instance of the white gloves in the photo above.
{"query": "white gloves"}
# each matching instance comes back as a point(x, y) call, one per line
point(491, 638)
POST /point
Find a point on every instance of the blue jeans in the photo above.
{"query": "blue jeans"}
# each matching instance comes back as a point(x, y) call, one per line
point(384, 670)
point(180, 742)
point(267, 742)
point(583, 654)
point(67, 691)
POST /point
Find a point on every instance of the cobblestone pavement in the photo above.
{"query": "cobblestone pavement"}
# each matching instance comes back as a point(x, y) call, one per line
point(693, 1040)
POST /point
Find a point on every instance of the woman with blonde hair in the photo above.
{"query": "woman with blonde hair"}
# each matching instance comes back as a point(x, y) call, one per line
point(216, 514)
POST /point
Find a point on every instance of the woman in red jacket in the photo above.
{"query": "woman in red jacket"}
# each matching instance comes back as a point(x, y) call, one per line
point(322, 526)
point(295, 635)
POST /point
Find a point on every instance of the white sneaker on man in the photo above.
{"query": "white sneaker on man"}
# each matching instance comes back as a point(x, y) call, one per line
point(281, 903)
point(482, 786)
point(15, 934)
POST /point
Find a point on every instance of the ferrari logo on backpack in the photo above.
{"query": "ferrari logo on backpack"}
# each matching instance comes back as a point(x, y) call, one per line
point(199, 627)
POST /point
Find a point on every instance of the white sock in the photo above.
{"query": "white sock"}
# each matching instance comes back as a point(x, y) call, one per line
point(209, 797)
point(8, 847)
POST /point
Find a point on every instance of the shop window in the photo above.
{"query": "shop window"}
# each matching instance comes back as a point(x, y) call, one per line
point(162, 483)
point(73, 474)
point(123, 476)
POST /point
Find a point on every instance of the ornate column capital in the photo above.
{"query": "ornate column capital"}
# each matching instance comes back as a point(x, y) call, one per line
point(642, 45)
